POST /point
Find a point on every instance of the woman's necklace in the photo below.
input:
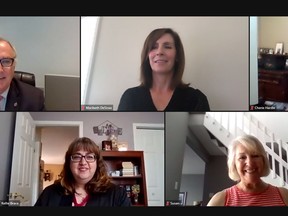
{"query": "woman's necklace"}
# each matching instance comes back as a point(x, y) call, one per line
point(82, 203)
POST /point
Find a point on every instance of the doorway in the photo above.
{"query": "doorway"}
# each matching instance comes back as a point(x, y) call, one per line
point(54, 142)
point(25, 172)
point(149, 138)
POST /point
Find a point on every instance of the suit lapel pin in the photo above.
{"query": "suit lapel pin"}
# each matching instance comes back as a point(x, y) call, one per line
point(15, 104)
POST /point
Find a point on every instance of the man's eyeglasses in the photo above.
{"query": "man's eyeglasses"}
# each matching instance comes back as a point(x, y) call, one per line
point(7, 62)
point(88, 157)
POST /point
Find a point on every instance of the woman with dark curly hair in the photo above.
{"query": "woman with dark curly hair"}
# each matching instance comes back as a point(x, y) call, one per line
point(83, 180)
point(162, 68)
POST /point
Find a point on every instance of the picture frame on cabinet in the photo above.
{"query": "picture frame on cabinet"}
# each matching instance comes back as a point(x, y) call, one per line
point(106, 145)
point(279, 48)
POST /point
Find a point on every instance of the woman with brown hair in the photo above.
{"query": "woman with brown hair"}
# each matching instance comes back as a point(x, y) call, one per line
point(162, 68)
point(84, 180)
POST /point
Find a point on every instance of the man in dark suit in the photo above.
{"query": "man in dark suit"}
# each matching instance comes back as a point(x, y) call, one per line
point(16, 95)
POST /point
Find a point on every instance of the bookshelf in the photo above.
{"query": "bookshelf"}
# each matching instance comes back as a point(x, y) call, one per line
point(132, 181)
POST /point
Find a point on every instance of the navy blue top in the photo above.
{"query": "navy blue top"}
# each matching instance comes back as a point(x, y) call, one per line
point(183, 99)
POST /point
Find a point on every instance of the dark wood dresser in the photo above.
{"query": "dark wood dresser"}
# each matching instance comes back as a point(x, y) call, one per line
point(273, 78)
point(273, 85)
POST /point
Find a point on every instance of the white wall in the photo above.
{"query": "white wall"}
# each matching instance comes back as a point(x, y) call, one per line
point(122, 120)
point(273, 30)
point(45, 45)
point(253, 60)
point(216, 57)
point(190, 157)
point(276, 122)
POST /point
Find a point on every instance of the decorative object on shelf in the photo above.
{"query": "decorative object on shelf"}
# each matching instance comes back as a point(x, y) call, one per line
point(135, 191)
point(128, 190)
point(111, 131)
point(114, 142)
point(47, 175)
point(122, 146)
point(107, 128)
point(264, 50)
point(106, 145)
point(115, 173)
point(135, 170)
point(279, 48)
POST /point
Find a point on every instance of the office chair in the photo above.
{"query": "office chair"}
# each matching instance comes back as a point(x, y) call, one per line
point(25, 77)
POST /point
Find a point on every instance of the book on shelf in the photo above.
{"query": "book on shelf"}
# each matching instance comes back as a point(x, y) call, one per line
point(127, 168)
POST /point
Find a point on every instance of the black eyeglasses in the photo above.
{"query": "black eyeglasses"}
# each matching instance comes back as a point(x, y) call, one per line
point(90, 158)
point(7, 62)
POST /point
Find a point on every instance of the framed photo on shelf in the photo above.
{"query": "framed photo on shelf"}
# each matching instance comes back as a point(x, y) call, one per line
point(182, 198)
point(279, 48)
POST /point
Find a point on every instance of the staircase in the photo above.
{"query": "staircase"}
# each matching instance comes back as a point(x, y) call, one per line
point(226, 126)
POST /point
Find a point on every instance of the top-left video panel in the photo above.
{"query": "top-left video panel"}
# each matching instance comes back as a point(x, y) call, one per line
point(40, 63)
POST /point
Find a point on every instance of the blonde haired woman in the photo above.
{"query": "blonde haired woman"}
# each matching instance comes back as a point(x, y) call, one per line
point(247, 163)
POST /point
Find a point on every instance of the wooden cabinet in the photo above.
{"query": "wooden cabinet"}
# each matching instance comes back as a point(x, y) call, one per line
point(273, 85)
point(114, 159)
point(273, 77)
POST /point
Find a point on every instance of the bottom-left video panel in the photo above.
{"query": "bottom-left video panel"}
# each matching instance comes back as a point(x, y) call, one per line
point(82, 159)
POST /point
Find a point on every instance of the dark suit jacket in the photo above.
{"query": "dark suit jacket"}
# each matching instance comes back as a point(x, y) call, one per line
point(24, 97)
